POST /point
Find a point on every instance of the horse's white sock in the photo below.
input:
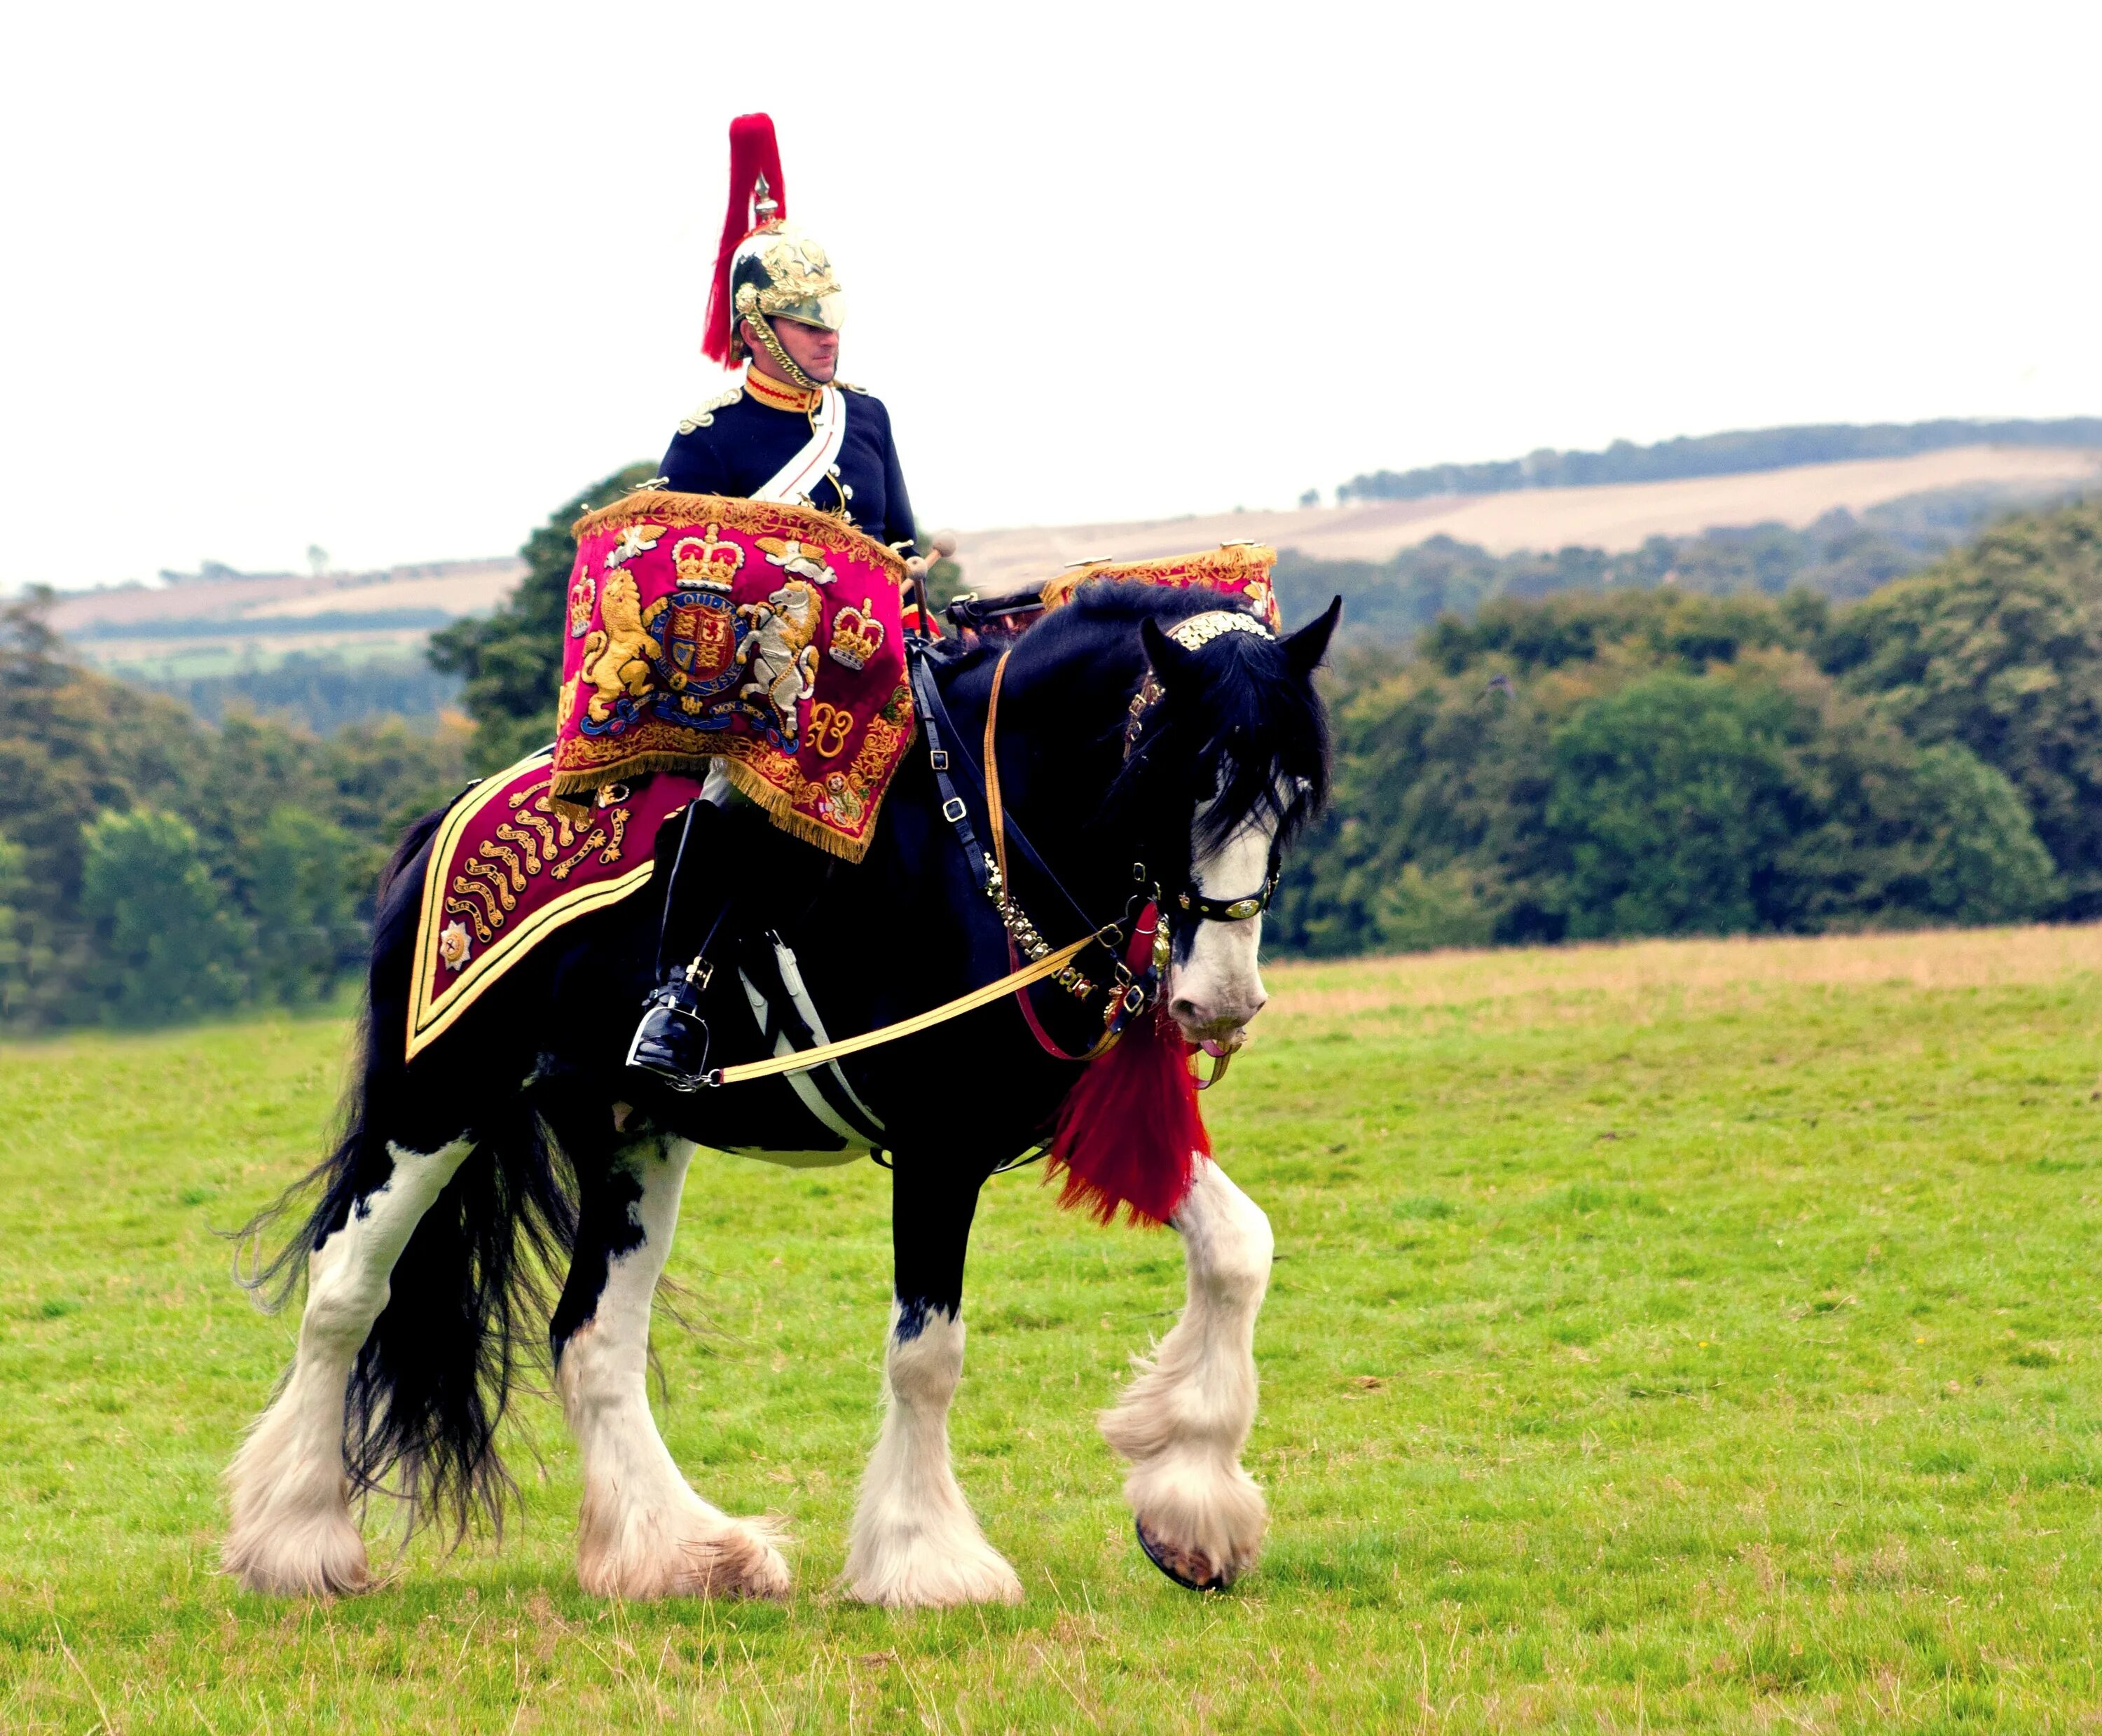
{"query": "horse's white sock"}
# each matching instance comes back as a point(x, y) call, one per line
point(289, 1492)
point(644, 1533)
point(1183, 1421)
point(916, 1540)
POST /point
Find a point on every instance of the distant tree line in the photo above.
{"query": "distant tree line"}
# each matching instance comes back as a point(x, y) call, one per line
point(1716, 455)
point(155, 868)
point(1687, 739)
point(1662, 761)
point(1839, 557)
point(323, 690)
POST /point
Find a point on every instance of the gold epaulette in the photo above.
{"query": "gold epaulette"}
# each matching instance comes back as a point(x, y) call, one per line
point(705, 416)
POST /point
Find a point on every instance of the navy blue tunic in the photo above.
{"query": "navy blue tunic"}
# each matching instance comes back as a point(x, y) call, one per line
point(733, 448)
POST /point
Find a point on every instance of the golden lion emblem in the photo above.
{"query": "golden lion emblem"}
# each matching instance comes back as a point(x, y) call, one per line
point(616, 661)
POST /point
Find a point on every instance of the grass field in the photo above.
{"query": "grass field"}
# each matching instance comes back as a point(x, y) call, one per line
point(1661, 1337)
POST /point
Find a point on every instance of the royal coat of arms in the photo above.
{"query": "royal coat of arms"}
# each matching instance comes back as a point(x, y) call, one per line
point(766, 636)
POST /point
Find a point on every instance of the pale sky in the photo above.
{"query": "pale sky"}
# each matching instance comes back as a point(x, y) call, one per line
point(398, 279)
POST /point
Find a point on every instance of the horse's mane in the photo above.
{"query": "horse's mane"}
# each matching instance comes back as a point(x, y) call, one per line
point(1252, 730)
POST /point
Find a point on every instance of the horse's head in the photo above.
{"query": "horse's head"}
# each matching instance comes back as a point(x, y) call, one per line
point(1229, 760)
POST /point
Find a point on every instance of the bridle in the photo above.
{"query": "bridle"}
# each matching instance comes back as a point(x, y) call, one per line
point(1138, 945)
point(1200, 630)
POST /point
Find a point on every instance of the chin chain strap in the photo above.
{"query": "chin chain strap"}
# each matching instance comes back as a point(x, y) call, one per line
point(777, 355)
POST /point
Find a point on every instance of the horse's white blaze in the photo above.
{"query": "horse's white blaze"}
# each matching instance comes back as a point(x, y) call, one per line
point(1183, 1421)
point(1217, 988)
point(644, 1532)
point(916, 1544)
point(292, 1531)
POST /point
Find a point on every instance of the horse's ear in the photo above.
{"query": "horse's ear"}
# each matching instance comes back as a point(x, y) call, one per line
point(1170, 662)
point(1310, 644)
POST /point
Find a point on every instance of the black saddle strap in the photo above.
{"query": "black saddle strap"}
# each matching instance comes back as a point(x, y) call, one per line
point(934, 720)
point(940, 731)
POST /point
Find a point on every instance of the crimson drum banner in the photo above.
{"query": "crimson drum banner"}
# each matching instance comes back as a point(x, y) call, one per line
point(765, 636)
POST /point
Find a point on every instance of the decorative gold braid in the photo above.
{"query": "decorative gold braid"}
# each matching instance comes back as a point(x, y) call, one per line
point(611, 852)
point(490, 909)
point(528, 843)
point(563, 869)
point(490, 872)
point(566, 829)
point(503, 853)
point(473, 912)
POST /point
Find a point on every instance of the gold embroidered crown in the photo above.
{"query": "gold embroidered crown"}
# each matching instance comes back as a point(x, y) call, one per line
point(856, 636)
point(704, 564)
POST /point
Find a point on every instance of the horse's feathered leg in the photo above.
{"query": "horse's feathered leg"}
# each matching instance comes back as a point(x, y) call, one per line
point(292, 1532)
point(1183, 1421)
point(916, 1544)
point(644, 1533)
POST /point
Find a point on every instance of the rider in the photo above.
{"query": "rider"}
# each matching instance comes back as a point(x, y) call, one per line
point(790, 431)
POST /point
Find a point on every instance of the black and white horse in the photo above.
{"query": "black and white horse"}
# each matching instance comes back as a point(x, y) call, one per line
point(518, 1141)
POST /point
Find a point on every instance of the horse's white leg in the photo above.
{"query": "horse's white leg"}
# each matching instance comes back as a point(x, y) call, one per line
point(1183, 1421)
point(292, 1531)
point(916, 1544)
point(644, 1533)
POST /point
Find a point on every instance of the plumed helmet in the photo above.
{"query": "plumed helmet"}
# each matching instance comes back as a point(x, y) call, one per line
point(782, 273)
point(766, 267)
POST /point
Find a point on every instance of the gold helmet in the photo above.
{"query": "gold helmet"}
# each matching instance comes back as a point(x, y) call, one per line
point(767, 267)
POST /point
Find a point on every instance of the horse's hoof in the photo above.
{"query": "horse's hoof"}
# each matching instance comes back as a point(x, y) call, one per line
point(683, 1555)
point(319, 1555)
point(922, 1576)
point(1193, 1573)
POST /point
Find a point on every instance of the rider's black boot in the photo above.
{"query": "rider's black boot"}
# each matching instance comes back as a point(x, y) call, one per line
point(672, 1042)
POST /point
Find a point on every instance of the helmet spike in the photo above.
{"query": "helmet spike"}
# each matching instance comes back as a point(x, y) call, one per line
point(757, 195)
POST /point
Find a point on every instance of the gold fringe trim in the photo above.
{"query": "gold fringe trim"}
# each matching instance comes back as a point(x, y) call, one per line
point(1230, 561)
point(780, 809)
point(753, 517)
point(782, 812)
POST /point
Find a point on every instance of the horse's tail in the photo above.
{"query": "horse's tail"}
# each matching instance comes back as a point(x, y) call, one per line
point(469, 1297)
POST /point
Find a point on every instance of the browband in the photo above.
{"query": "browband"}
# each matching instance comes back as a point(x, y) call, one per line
point(1201, 630)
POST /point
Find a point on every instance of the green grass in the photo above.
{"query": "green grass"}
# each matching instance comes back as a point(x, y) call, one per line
point(1692, 1345)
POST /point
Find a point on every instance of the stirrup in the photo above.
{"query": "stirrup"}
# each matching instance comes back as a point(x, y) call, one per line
point(672, 1042)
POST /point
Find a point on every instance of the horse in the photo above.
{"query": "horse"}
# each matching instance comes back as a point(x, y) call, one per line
point(519, 1145)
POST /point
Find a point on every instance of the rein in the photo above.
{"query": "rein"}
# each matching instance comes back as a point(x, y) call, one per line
point(803, 1059)
point(1113, 1026)
point(1139, 951)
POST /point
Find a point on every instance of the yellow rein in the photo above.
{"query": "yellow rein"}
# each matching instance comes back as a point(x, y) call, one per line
point(803, 1059)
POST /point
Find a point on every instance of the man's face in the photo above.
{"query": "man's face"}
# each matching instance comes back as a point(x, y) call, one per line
point(811, 348)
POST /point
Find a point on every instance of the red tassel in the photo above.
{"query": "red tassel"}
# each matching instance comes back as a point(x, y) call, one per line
point(1129, 1131)
point(752, 152)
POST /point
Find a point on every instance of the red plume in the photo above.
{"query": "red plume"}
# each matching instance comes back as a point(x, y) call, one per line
point(1129, 1132)
point(752, 153)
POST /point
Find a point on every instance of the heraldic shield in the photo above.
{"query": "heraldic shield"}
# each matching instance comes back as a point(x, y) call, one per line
point(765, 636)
